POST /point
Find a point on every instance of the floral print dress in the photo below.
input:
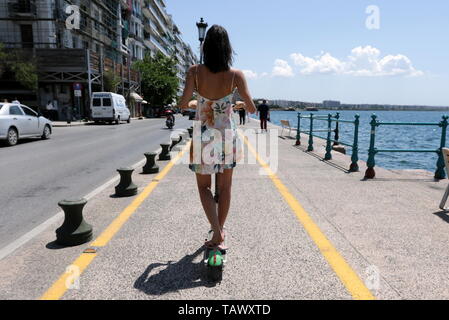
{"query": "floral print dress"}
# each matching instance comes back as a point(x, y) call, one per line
point(216, 145)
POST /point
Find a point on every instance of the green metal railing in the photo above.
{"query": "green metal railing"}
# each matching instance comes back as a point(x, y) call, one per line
point(336, 141)
point(373, 151)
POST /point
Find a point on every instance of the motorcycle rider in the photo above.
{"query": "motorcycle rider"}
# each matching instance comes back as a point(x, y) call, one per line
point(169, 114)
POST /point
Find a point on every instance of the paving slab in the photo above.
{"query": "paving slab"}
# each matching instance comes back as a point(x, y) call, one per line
point(389, 230)
point(158, 253)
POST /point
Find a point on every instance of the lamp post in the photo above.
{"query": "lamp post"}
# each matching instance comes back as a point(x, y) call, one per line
point(202, 26)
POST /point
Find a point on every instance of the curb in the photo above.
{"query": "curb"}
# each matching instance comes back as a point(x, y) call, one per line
point(66, 125)
point(79, 124)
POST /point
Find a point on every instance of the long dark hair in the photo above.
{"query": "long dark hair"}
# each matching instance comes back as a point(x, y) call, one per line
point(217, 50)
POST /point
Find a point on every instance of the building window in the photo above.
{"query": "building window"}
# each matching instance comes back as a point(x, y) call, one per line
point(26, 31)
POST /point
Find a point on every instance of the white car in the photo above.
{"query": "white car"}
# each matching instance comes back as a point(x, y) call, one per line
point(109, 107)
point(17, 121)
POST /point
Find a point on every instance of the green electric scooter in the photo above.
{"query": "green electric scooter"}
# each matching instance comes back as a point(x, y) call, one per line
point(214, 261)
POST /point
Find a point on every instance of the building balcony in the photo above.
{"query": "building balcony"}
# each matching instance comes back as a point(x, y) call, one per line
point(155, 16)
point(162, 11)
point(146, 12)
point(148, 44)
point(159, 47)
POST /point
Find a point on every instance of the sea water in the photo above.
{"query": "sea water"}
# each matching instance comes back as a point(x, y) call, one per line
point(387, 137)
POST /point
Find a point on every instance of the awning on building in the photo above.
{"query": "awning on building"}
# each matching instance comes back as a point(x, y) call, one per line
point(136, 97)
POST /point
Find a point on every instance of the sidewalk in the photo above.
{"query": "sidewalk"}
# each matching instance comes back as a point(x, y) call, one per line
point(64, 124)
point(388, 232)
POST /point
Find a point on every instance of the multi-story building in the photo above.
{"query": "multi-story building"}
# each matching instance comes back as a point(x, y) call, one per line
point(74, 43)
point(78, 50)
point(163, 35)
point(331, 104)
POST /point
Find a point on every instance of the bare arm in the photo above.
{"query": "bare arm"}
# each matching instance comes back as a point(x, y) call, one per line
point(188, 89)
point(244, 92)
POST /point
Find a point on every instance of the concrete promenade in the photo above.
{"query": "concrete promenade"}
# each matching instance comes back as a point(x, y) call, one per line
point(309, 230)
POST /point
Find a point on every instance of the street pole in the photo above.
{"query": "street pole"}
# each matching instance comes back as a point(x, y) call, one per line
point(201, 52)
point(202, 26)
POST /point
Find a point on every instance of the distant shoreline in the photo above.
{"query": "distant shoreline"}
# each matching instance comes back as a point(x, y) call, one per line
point(436, 109)
point(287, 105)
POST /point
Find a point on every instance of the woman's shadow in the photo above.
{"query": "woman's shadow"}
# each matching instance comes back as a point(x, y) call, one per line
point(181, 275)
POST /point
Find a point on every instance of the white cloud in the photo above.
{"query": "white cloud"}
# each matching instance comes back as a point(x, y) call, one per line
point(322, 64)
point(282, 69)
point(249, 74)
point(363, 61)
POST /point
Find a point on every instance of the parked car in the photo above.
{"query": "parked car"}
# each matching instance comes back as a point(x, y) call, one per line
point(18, 121)
point(109, 107)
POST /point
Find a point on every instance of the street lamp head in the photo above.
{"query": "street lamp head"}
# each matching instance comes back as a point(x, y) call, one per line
point(202, 26)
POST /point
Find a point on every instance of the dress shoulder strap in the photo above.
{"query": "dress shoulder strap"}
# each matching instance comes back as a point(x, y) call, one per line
point(232, 84)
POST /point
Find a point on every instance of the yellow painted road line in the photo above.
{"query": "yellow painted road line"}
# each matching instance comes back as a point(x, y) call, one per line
point(58, 289)
point(345, 273)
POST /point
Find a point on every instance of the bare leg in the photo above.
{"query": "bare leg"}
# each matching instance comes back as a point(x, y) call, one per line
point(209, 205)
point(224, 203)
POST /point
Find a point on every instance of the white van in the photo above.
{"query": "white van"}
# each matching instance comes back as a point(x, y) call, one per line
point(109, 107)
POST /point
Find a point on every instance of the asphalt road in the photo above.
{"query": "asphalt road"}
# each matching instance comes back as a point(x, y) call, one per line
point(35, 175)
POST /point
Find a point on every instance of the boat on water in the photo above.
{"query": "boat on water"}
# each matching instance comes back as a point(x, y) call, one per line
point(311, 109)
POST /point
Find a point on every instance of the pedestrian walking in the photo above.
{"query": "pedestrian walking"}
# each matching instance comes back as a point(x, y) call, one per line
point(214, 83)
point(242, 114)
point(264, 114)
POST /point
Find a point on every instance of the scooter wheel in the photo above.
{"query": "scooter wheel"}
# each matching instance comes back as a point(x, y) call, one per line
point(215, 274)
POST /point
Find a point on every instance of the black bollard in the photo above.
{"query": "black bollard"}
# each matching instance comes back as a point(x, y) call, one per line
point(74, 231)
point(174, 142)
point(165, 154)
point(181, 139)
point(151, 167)
point(126, 187)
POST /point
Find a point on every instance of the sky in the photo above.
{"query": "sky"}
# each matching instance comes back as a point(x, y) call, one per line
point(354, 51)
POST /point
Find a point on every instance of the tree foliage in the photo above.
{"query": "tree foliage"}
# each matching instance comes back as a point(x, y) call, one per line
point(159, 79)
point(111, 81)
point(22, 68)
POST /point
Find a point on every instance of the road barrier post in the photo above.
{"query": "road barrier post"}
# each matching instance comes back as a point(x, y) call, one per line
point(150, 167)
point(174, 142)
point(165, 154)
point(74, 231)
point(126, 187)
